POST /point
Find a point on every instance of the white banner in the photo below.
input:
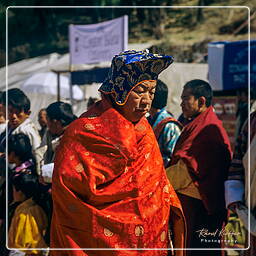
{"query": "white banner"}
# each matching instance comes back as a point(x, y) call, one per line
point(97, 42)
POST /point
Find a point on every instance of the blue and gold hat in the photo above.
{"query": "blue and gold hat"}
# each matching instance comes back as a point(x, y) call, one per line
point(131, 67)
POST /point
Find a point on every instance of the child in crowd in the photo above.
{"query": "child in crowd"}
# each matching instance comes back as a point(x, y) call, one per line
point(22, 160)
point(29, 222)
point(20, 153)
point(2, 114)
point(18, 118)
point(27, 219)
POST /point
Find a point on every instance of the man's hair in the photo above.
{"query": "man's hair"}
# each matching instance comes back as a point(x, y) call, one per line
point(41, 110)
point(161, 95)
point(200, 88)
point(61, 111)
point(17, 99)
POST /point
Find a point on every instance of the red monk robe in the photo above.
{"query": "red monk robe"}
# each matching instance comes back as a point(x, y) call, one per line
point(110, 188)
point(205, 149)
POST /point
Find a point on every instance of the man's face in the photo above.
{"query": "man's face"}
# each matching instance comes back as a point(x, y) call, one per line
point(16, 116)
point(139, 101)
point(189, 104)
point(54, 126)
point(42, 118)
point(2, 113)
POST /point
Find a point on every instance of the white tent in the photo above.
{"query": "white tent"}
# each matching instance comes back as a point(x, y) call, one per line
point(46, 83)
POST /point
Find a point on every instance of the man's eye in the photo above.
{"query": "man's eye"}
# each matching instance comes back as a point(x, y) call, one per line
point(139, 93)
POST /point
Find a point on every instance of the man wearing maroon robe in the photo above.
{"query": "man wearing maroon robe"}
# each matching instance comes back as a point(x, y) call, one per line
point(199, 168)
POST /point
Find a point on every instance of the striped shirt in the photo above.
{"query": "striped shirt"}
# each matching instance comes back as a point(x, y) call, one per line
point(168, 136)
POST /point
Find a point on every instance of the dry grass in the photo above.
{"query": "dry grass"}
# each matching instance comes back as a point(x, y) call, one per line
point(218, 24)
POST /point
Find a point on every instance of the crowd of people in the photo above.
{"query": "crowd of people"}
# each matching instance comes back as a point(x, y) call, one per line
point(126, 174)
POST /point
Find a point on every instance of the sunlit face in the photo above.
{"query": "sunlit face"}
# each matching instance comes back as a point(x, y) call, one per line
point(42, 118)
point(16, 117)
point(139, 101)
point(2, 113)
point(189, 104)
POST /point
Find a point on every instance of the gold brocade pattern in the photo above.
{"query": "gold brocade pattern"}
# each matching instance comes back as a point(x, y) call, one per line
point(79, 168)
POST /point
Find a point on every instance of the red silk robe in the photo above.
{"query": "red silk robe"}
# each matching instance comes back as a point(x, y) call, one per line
point(109, 187)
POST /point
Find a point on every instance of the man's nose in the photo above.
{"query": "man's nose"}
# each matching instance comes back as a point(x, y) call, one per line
point(12, 115)
point(146, 99)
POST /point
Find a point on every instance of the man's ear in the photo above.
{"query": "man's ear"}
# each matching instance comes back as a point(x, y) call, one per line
point(201, 101)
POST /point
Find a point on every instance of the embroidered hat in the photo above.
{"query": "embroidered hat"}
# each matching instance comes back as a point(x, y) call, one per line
point(131, 67)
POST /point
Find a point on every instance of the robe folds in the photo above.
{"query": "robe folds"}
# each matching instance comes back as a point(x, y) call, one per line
point(110, 188)
point(205, 149)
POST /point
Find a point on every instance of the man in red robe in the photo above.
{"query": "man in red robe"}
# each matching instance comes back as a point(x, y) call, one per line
point(199, 168)
point(109, 184)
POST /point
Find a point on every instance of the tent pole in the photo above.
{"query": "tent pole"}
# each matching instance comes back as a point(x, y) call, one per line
point(58, 86)
point(71, 91)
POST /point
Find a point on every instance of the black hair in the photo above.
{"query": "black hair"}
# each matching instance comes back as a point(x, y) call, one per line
point(161, 95)
point(61, 111)
point(17, 99)
point(30, 186)
point(41, 110)
point(21, 146)
point(27, 183)
point(200, 88)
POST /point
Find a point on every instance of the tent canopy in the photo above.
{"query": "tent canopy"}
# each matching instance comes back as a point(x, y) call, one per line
point(46, 83)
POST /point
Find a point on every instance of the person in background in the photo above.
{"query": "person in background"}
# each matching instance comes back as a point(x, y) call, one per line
point(59, 116)
point(242, 109)
point(240, 176)
point(109, 180)
point(2, 114)
point(21, 156)
point(2, 129)
point(42, 122)
point(167, 129)
point(29, 222)
point(18, 118)
point(18, 122)
point(199, 168)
